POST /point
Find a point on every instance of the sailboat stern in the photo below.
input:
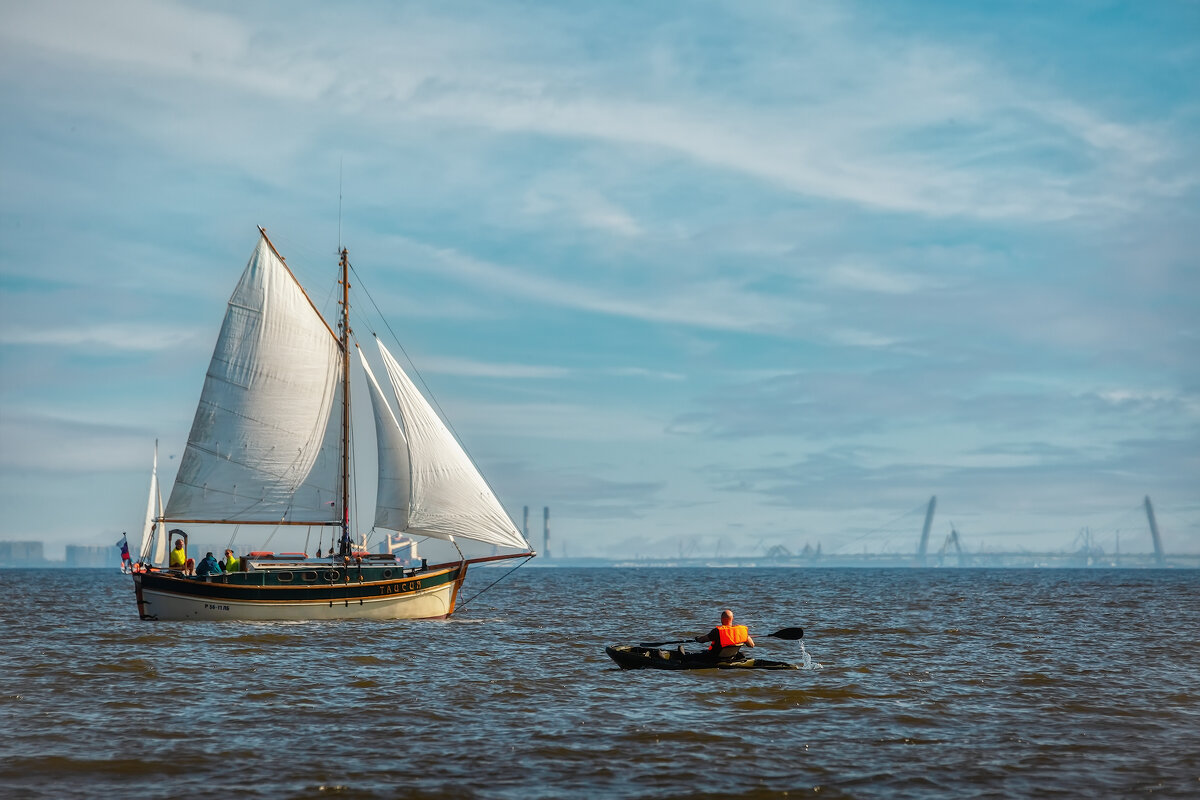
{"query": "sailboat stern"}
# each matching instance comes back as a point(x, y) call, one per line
point(137, 593)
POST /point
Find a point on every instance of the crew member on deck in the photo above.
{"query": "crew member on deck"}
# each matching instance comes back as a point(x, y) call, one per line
point(230, 564)
point(178, 555)
point(726, 639)
point(208, 566)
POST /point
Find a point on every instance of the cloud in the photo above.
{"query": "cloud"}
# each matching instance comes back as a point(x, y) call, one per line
point(714, 303)
point(559, 422)
point(859, 338)
point(109, 337)
point(162, 39)
point(482, 369)
point(861, 277)
point(826, 126)
point(583, 494)
point(65, 446)
point(585, 207)
point(468, 368)
point(870, 254)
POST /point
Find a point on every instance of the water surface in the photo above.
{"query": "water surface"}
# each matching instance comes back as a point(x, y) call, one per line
point(932, 683)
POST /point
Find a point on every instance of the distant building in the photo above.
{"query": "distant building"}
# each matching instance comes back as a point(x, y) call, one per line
point(401, 547)
point(82, 555)
point(22, 554)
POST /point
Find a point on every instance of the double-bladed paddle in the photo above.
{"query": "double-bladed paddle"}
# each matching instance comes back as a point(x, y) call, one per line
point(791, 634)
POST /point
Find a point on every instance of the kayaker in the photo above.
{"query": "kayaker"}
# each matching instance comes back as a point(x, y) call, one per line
point(726, 640)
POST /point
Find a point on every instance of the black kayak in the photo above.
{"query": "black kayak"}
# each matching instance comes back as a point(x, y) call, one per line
point(629, 657)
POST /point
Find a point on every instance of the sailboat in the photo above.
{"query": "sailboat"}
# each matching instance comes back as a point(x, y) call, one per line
point(270, 445)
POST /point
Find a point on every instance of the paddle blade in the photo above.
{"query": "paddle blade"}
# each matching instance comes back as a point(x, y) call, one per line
point(791, 634)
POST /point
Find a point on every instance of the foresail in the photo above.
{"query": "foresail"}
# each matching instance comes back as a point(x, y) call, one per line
point(392, 492)
point(264, 408)
point(148, 527)
point(448, 495)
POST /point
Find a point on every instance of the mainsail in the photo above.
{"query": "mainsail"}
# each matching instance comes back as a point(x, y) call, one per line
point(259, 430)
point(446, 496)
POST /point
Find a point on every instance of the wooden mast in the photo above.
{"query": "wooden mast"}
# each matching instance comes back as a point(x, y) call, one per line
point(345, 546)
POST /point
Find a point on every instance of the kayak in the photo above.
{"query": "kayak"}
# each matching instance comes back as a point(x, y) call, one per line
point(629, 657)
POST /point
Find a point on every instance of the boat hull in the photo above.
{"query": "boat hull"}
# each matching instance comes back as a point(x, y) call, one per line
point(251, 596)
point(628, 657)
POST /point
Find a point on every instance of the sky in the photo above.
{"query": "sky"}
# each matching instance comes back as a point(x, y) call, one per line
point(704, 278)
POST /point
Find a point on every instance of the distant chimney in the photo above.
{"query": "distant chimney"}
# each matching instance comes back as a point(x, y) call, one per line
point(546, 532)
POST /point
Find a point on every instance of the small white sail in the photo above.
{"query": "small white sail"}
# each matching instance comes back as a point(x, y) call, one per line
point(392, 493)
point(448, 495)
point(148, 528)
point(264, 409)
point(160, 536)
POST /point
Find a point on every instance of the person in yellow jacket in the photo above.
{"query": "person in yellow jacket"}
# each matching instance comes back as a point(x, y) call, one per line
point(230, 564)
point(726, 640)
point(178, 556)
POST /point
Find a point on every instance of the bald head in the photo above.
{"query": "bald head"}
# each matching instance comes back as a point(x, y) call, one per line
point(727, 617)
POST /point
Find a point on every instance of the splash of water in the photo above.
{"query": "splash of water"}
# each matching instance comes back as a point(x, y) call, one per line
point(806, 659)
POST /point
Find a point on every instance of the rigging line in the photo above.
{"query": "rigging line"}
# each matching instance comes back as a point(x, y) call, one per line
point(428, 392)
point(463, 604)
point(400, 344)
point(233, 536)
point(1112, 527)
point(302, 265)
point(408, 358)
point(881, 527)
point(269, 538)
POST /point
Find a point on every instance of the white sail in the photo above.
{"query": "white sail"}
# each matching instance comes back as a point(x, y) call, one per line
point(264, 409)
point(148, 528)
point(321, 489)
point(160, 532)
point(392, 493)
point(448, 496)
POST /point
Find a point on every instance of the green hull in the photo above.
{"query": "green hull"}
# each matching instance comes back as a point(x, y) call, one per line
point(628, 657)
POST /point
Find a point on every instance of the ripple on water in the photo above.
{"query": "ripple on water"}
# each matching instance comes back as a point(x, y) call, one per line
point(974, 683)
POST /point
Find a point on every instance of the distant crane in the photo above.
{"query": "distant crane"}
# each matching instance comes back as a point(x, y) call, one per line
point(778, 553)
point(1158, 548)
point(925, 530)
point(1087, 548)
point(952, 538)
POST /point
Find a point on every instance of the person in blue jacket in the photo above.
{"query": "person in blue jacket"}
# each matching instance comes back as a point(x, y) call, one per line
point(208, 566)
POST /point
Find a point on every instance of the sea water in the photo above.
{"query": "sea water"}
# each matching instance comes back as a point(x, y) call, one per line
point(920, 683)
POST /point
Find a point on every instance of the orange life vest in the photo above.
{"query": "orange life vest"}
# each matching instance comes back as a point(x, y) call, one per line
point(731, 635)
